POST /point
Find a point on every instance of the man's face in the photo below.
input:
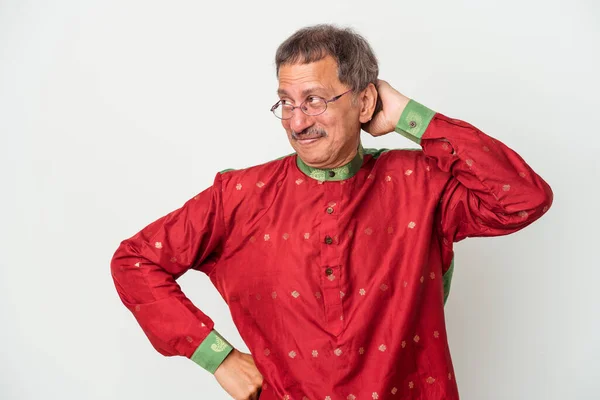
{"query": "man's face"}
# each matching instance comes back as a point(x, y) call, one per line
point(327, 140)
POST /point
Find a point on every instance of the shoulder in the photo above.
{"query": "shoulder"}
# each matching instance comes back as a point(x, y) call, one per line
point(408, 161)
point(395, 156)
point(258, 175)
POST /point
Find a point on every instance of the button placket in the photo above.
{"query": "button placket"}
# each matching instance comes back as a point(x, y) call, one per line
point(330, 258)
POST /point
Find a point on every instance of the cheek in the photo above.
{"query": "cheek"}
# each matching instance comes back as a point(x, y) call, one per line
point(286, 125)
point(330, 125)
point(336, 129)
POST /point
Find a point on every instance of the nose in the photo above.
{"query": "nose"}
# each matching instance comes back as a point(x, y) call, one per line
point(300, 121)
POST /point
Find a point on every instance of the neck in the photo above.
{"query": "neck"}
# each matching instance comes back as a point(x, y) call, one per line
point(335, 164)
point(342, 170)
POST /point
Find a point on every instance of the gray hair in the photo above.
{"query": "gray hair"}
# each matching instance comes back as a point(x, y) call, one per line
point(357, 64)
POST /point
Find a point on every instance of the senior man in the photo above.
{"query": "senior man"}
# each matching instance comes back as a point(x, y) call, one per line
point(335, 261)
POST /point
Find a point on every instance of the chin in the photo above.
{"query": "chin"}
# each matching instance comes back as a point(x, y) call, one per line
point(312, 156)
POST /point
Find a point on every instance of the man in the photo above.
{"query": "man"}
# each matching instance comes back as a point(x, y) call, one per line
point(335, 261)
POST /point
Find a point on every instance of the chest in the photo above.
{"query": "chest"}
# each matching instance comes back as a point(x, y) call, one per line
point(301, 234)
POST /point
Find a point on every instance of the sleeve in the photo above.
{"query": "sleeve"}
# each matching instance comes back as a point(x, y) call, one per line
point(491, 191)
point(146, 266)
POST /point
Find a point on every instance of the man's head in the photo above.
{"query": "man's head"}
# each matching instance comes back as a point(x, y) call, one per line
point(326, 61)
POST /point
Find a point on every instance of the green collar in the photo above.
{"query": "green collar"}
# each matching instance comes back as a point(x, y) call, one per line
point(336, 174)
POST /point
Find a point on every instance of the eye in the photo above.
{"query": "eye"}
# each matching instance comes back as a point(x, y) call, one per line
point(313, 99)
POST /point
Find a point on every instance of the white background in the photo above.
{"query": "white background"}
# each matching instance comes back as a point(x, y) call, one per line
point(113, 113)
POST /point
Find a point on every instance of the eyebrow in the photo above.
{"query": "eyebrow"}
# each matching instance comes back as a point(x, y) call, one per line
point(305, 92)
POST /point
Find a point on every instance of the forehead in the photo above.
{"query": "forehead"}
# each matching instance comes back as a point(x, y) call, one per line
point(319, 74)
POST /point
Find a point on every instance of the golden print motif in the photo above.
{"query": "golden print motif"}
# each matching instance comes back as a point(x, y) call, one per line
point(219, 345)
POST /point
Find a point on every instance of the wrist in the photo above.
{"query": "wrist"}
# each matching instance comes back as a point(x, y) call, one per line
point(223, 366)
point(401, 103)
point(414, 121)
point(212, 352)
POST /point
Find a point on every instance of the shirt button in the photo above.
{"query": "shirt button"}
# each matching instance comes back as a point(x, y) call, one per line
point(329, 210)
point(331, 174)
point(328, 239)
point(328, 271)
point(412, 124)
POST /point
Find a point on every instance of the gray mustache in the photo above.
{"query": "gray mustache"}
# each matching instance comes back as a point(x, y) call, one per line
point(309, 131)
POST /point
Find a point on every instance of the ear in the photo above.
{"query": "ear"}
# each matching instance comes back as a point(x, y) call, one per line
point(367, 101)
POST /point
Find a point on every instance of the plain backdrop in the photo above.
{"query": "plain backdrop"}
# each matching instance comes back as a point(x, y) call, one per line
point(114, 113)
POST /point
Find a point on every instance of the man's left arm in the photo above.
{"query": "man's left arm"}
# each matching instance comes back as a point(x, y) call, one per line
point(491, 192)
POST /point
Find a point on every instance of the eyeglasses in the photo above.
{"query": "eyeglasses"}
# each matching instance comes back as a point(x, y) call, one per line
point(313, 105)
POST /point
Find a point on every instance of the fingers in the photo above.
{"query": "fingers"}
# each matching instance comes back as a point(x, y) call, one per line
point(239, 376)
point(378, 106)
point(381, 83)
point(255, 395)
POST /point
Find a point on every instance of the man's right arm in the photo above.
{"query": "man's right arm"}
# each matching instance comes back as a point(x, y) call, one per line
point(145, 268)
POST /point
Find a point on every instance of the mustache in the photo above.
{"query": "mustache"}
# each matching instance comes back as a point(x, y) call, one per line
point(310, 131)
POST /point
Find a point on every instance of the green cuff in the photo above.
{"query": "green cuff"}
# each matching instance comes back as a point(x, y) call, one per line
point(211, 352)
point(414, 121)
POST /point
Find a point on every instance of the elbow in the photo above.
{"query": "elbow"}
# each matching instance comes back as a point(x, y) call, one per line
point(545, 197)
point(124, 261)
point(116, 262)
point(539, 200)
point(125, 273)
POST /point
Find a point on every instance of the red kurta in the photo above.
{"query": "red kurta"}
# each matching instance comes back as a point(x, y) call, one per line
point(335, 286)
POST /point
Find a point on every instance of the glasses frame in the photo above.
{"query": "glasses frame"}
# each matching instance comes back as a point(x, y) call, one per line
point(278, 104)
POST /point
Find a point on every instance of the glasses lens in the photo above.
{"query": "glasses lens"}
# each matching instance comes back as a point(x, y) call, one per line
point(314, 106)
point(277, 110)
point(282, 111)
